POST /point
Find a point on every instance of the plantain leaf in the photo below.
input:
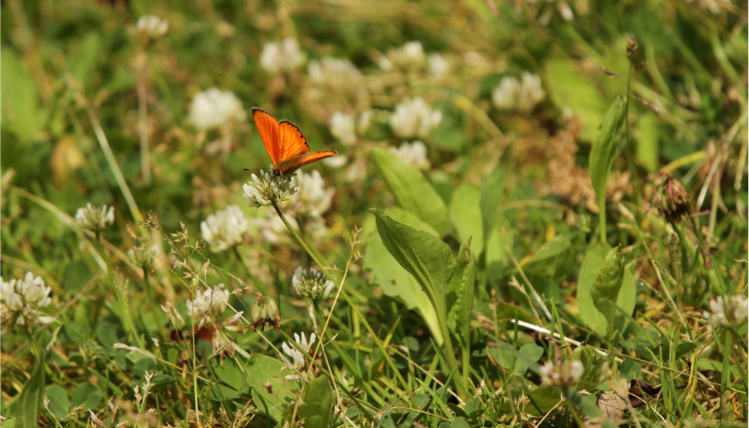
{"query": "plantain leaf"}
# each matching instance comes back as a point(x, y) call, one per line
point(466, 215)
point(411, 190)
point(318, 404)
point(30, 399)
point(491, 198)
point(608, 283)
point(460, 297)
point(603, 154)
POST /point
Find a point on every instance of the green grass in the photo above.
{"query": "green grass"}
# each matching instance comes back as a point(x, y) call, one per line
point(561, 254)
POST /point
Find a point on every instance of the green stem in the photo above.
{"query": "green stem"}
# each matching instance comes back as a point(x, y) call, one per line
point(725, 375)
point(630, 150)
point(312, 253)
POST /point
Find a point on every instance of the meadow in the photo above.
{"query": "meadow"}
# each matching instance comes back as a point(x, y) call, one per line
point(536, 216)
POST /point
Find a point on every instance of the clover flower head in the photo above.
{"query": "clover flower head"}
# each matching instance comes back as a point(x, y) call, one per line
point(562, 375)
point(296, 360)
point(143, 255)
point(437, 65)
point(311, 283)
point(312, 198)
point(414, 154)
point(94, 218)
point(225, 229)
point(20, 298)
point(209, 302)
point(333, 72)
point(284, 56)
point(727, 311)
point(151, 27)
point(521, 95)
point(410, 56)
point(343, 129)
point(265, 312)
point(266, 188)
point(213, 108)
point(414, 118)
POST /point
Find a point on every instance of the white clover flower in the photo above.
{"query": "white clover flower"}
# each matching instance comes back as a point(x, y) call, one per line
point(438, 65)
point(562, 375)
point(311, 197)
point(285, 56)
point(151, 27)
point(298, 360)
point(414, 154)
point(311, 283)
point(520, 95)
point(209, 302)
point(334, 72)
point(143, 255)
point(727, 311)
point(365, 119)
point(267, 188)
point(20, 298)
point(342, 128)
point(410, 56)
point(225, 229)
point(213, 108)
point(93, 218)
point(413, 118)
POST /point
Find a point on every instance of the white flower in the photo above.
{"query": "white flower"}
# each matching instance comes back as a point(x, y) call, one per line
point(521, 95)
point(209, 302)
point(342, 128)
point(19, 299)
point(152, 26)
point(213, 108)
point(267, 188)
point(94, 218)
point(562, 375)
point(225, 229)
point(334, 72)
point(412, 154)
point(413, 118)
point(438, 65)
point(311, 198)
point(298, 360)
point(727, 311)
point(365, 119)
point(311, 283)
point(143, 255)
point(410, 56)
point(282, 56)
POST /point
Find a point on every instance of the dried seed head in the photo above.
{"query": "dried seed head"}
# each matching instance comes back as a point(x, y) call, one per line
point(265, 312)
point(671, 199)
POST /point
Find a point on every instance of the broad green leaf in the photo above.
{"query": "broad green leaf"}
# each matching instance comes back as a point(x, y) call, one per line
point(465, 215)
point(20, 109)
point(542, 399)
point(575, 90)
point(426, 257)
point(589, 270)
point(460, 297)
point(82, 62)
point(607, 284)
point(30, 399)
point(318, 404)
point(59, 404)
point(552, 262)
point(88, 395)
point(394, 280)
point(491, 199)
point(603, 153)
point(647, 143)
point(411, 190)
point(497, 258)
point(518, 361)
point(271, 392)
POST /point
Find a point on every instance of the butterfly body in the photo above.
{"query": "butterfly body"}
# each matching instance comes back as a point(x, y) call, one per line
point(285, 143)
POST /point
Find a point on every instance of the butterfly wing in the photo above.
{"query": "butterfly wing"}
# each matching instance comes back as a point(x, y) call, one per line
point(268, 127)
point(291, 165)
point(292, 141)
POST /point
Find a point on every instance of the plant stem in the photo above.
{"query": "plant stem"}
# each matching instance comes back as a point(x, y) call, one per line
point(630, 150)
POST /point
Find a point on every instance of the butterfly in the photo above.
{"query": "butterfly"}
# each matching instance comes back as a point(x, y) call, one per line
point(285, 143)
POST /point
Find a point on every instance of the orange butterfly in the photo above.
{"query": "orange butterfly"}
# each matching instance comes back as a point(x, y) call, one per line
point(285, 143)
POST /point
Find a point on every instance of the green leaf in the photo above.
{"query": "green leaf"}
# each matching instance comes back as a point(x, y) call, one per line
point(411, 190)
point(88, 395)
point(460, 298)
point(20, 109)
point(394, 280)
point(466, 215)
point(576, 92)
point(318, 404)
point(59, 404)
point(607, 284)
point(647, 144)
point(491, 199)
point(589, 271)
point(603, 154)
point(270, 390)
point(426, 257)
point(82, 62)
point(552, 262)
point(30, 399)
